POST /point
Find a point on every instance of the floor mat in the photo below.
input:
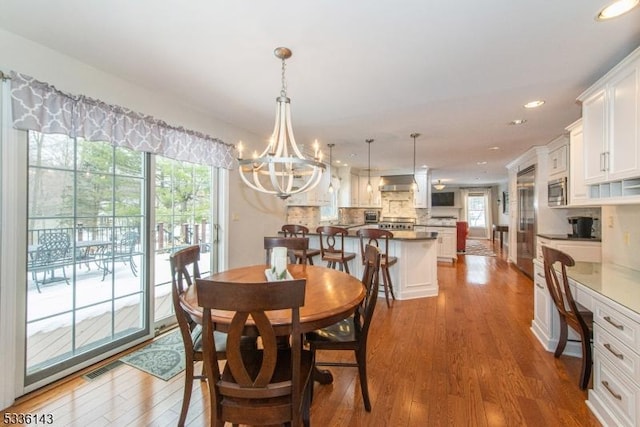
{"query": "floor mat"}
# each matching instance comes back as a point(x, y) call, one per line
point(163, 358)
point(479, 248)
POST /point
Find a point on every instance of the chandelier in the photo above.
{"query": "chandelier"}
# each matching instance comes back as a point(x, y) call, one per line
point(281, 169)
point(439, 186)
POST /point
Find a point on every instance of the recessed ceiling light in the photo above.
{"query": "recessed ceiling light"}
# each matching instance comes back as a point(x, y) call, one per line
point(518, 121)
point(424, 167)
point(535, 104)
point(617, 8)
point(481, 163)
point(495, 147)
point(338, 161)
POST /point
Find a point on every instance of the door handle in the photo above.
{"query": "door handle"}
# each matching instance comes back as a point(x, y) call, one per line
point(216, 228)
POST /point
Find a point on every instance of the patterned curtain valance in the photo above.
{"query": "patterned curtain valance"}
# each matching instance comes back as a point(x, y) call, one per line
point(41, 107)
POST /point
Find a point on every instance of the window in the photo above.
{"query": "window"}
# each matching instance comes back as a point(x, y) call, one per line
point(476, 210)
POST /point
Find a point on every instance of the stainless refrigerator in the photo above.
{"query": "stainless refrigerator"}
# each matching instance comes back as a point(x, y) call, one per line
point(526, 235)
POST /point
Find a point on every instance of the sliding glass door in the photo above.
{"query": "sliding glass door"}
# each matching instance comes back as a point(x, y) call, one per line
point(183, 205)
point(86, 260)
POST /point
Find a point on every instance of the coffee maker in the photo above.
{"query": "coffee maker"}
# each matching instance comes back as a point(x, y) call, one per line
point(581, 226)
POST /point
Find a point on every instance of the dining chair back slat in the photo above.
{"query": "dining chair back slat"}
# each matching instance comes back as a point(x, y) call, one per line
point(269, 385)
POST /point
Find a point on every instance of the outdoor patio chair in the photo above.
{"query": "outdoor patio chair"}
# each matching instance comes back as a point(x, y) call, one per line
point(52, 253)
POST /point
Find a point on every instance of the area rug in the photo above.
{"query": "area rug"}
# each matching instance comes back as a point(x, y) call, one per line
point(163, 358)
point(479, 248)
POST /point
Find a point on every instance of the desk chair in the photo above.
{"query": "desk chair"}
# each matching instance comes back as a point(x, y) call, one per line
point(332, 247)
point(351, 333)
point(256, 387)
point(571, 313)
point(297, 248)
point(380, 239)
point(295, 230)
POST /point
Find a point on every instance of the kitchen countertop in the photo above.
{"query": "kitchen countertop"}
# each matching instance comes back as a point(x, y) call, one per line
point(397, 234)
point(568, 237)
point(620, 284)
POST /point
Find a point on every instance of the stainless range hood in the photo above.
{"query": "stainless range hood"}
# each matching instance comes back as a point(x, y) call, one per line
point(396, 183)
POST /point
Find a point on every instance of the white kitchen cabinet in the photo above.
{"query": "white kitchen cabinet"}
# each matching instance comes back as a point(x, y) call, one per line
point(611, 131)
point(446, 243)
point(316, 197)
point(354, 186)
point(422, 197)
point(615, 395)
point(368, 199)
point(578, 189)
point(557, 162)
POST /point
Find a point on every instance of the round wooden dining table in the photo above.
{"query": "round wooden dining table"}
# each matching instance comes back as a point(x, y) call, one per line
point(330, 296)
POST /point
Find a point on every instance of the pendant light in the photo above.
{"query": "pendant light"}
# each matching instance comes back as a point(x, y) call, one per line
point(330, 160)
point(274, 170)
point(414, 185)
point(369, 188)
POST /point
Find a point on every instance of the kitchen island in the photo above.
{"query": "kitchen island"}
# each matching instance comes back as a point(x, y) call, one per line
point(416, 273)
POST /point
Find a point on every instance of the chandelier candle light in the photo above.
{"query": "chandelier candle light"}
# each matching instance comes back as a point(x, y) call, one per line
point(274, 171)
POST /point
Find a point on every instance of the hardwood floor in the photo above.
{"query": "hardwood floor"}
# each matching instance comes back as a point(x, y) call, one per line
point(464, 358)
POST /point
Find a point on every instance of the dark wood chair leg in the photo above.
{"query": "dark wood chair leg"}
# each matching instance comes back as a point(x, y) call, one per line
point(587, 362)
point(385, 285)
point(386, 270)
point(562, 340)
point(346, 267)
point(361, 357)
point(186, 397)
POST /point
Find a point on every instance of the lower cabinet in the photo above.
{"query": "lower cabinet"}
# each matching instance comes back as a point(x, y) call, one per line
point(615, 396)
point(446, 243)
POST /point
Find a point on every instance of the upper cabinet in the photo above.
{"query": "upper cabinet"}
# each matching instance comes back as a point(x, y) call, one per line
point(319, 196)
point(558, 158)
point(372, 199)
point(611, 133)
point(578, 190)
point(422, 197)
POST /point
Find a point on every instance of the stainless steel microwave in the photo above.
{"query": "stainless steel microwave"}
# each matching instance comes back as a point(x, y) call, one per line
point(557, 192)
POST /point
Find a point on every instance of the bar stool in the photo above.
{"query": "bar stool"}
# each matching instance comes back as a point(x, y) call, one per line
point(380, 239)
point(295, 230)
point(332, 247)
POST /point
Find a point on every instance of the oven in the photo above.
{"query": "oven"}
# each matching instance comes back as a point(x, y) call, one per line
point(371, 217)
point(557, 192)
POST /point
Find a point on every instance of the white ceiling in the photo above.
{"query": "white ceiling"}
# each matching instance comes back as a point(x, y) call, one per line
point(456, 72)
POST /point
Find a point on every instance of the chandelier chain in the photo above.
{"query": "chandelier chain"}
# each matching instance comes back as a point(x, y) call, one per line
point(283, 91)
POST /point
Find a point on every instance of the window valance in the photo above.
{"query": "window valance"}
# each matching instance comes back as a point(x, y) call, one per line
point(41, 107)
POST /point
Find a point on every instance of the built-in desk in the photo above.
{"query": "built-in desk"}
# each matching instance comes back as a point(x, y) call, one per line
point(612, 293)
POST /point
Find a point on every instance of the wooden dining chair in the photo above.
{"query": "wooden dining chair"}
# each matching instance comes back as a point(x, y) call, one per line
point(571, 313)
point(257, 387)
point(380, 239)
point(332, 247)
point(296, 230)
point(351, 333)
point(181, 262)
point(297, 248)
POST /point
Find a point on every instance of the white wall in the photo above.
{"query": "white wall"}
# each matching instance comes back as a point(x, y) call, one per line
point(620, 227)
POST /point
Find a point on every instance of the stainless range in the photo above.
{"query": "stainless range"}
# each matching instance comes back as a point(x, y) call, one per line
point(397, 223)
